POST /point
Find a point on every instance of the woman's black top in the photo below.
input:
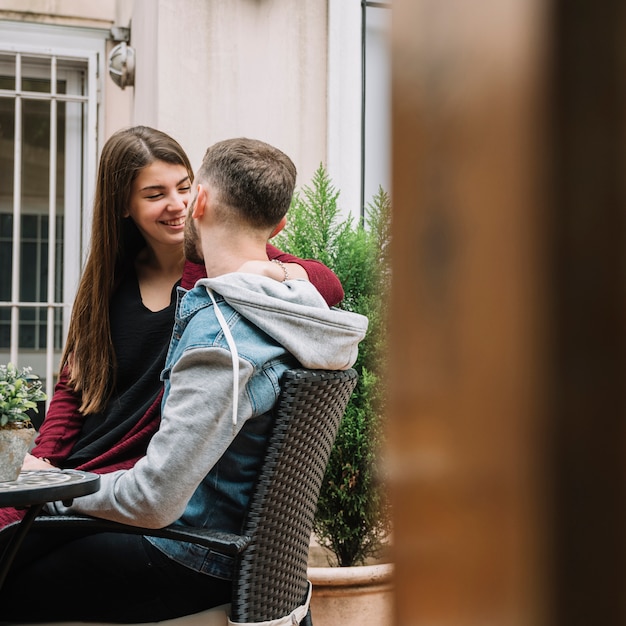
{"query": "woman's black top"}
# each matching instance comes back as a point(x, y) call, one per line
point(140, 339)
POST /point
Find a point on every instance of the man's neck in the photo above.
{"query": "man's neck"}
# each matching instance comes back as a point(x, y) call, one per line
point(223, 255)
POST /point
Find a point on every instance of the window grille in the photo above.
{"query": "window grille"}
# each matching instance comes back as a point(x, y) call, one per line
point(48, 122)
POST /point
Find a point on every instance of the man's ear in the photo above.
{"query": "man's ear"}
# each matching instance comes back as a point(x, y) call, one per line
point(279, 226)
point(200, 203)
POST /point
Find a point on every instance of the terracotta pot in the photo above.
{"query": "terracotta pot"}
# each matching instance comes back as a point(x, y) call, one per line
point(14, 443)
point(351, 596)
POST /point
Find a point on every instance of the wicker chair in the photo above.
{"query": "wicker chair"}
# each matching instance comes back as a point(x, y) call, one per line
point(271, 554)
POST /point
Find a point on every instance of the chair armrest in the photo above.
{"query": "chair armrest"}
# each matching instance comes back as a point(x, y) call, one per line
point(226, 543)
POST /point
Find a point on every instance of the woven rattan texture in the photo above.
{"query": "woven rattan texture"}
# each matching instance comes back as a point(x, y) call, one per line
point(271, 578)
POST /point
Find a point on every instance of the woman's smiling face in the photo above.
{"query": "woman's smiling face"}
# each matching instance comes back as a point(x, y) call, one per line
point(158, 203)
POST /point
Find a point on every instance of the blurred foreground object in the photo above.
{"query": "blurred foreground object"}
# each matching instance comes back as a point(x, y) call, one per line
point(507, 348)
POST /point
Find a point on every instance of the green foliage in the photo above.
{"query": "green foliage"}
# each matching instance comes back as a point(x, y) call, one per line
point(19, 392)
point(352, 519)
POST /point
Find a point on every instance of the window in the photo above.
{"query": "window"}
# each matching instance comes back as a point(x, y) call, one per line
point(376, 105)
point(48, 122)
point(359, 87)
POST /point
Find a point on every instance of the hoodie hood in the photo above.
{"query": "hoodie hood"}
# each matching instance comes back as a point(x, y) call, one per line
point(295, 315)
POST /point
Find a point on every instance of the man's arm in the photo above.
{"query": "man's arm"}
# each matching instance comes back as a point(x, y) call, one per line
point(196, 428)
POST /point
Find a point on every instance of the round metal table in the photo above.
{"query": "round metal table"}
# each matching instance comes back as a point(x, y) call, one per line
point(34, 487)
point(31, 490)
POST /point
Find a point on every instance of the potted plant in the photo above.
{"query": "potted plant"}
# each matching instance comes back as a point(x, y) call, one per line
point(352, 522)
point(20, 390)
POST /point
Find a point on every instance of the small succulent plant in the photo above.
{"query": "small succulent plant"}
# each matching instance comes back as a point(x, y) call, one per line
point(20, 390)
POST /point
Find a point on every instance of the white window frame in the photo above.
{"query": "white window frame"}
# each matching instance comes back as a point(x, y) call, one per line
point(87, 45)
point(358, 164)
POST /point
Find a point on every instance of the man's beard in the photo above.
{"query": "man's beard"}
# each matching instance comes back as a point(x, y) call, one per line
point(191, 241)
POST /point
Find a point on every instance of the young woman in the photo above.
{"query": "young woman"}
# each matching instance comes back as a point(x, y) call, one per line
point(106, 404)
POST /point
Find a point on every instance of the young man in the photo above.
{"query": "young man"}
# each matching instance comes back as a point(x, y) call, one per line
point(235, 334)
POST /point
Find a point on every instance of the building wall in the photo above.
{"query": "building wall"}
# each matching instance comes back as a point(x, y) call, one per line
point(85, 13)
point(210, 70)
point(204, 71)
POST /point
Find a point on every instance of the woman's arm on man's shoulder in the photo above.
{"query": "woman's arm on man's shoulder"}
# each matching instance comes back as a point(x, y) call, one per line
point(322, 277)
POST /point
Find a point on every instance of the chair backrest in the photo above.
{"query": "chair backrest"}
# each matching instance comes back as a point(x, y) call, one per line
point(271, 573)
point(270, 578)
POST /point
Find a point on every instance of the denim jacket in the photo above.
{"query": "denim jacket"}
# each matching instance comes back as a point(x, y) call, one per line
point(234, 337)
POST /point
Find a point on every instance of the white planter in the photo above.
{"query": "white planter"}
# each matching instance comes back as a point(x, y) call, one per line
point(352, 596)
point(14, 443)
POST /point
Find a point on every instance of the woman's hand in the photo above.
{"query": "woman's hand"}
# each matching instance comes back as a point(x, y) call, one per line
point(34, 463)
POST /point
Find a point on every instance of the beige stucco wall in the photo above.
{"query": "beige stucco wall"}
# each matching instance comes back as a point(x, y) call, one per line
point(211, 70)
point(86, 13)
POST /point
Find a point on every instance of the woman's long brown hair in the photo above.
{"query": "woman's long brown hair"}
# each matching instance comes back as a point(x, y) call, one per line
point(115, 242)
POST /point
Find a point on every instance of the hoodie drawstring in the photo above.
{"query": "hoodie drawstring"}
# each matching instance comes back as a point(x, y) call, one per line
point(233, 353)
